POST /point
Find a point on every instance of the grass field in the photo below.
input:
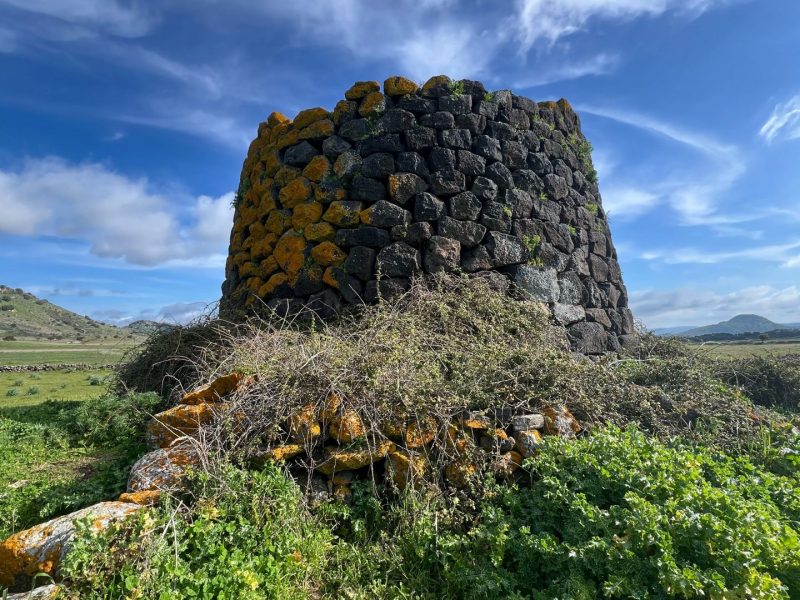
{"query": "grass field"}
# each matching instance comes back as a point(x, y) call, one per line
point(47, 352)
point(27, 389)
point(742, 349)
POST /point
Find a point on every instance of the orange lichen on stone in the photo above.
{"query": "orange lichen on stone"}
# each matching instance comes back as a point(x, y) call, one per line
point(305, 214)
point(183, 419)
point(347, 427)
point(527, 442)
point(267, 200)
point(295, 192)
point(460, 471)
point(564, 104)
point(163, 469)
point(330, 407)
point(290, 138)
point(346, 460)
point(406, 468)
point(278, 221)
point(327, 254)
point(303, 425)
point(420, 432)
point(475, 421)
point(261, 248)
point(272, 162)
point(248, 269)
point(290, 252)
point(329, 277)
point(506, 464)
point(343, 214)
point(372, 105)
point(143, 498)
point(326, 193)
point(286, 174)
point(254, 283)
point(361, 88)
point(319, 232)
point(399, 86)
point(308, 116)
point(285, 452)
point(42, 548)
point(343, 108)
point(436, 81)
point(559, 421)
point(273, 283)
point(267, 267)
point(241, 258)
point(277, 118)
point(256, 230)
point(214, 391)
point(317, 131)
point(317, 168)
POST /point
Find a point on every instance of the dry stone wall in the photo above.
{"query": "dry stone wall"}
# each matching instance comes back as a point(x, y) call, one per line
point(347, 206)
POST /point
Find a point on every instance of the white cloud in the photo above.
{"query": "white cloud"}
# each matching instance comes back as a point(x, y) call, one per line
point(600, 64)
point(119, 217)
point(110, 16)
point(628, 202)
point(549, 21)
point(178, 313)
point(778, 253)
point(692, 306)
point(784, 121)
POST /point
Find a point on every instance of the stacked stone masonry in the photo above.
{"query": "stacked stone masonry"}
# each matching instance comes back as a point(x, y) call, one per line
point(346, 207)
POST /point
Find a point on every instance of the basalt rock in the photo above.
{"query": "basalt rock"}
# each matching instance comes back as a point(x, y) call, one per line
point(411, 181)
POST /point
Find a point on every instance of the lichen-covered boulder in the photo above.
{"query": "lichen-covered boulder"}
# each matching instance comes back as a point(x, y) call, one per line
point(42, 548)
point(179, 421)
point(163, 469)
point(214, 391)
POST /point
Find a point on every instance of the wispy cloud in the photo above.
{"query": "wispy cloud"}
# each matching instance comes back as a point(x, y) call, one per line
point(600, 64)
point(693, 306)
point(784, 122)
point(119, 217)
point(782, 254)
point(550, 21)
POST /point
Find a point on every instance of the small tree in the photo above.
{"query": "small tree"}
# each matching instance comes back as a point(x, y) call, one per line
point(763, 337)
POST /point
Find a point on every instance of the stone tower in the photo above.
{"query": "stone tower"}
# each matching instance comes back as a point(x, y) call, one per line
point(344, 207)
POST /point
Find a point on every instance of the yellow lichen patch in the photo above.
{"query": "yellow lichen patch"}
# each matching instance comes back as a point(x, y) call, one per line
point(342, 492)
point(506, 464)
point(142, 498)
point(565, 105)
point(277, 118)
point(319, 232)
point(183, 419)
point(277, 222)
point(342, 478)
point(420, 432)
point(373, 104)
point(254, 283)
point(347, 427)
point(290, 252)
point(290, 138)
point(329, 277)
point(436, 81)
point(272, 162)
point(548, 104)
point(256, 230)
point(327, 254)
point(460, 471)
point(303, 425)
point(267, 267)
point(343, 214)
point(248, 269)
point(279, 131)
point(317, 131)
point(329, 193)
point(330, 407)
point(527, 442)
point(343, 109)
point(312, 273)
point(475, 421)
point(406, 468)
point(278, 279)
point(559, 421)
point(346, 460)
point(458, 441)
point(267, 201)
point(295, 192)
point(305, 214)
point(361, 89)
point(308, 116)
point(241, 258)
point(317, 168)
point(248, 215)
point(398, 86)
point(214, 391)
point(260, 248)
point(285, 452)
point(286, 174)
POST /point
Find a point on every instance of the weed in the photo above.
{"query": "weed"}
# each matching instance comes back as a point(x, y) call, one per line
point(32, 391)
point(592, 207)
point(11, 392)
point(18, 383)
point(488, 97)
point(457, 88)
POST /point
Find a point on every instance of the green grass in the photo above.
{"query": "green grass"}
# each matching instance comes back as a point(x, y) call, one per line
point(29, 352)
point(59, 456)
point(53, 385)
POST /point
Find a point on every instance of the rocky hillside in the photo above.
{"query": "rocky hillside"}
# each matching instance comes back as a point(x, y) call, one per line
point(738, 324)
point(24, 316)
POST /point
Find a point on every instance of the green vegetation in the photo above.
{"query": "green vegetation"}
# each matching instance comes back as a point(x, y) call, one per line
point(746, 349)
point(489, 96)
point(54, 385)
point(58, 456)
point(54, 352)
point(614, 515)
point(457, 88)
point(592, 208)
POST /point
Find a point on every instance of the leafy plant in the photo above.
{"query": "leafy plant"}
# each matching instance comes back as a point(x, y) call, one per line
point(489, 96)
point(592, 207)
point(457, 88)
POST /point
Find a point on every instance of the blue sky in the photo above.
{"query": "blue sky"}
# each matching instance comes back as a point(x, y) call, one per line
point(123, 126)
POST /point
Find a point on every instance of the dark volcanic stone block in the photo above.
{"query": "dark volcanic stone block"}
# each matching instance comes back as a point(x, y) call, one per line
point(420, 138)
point(428, 207)
point(468, 233)
point(398, 260)
point(360, 262)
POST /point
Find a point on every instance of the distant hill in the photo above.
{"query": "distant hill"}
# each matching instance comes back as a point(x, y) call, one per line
point(676, 330)
point(144, 327)
point(24, 316)
point(737, 325)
